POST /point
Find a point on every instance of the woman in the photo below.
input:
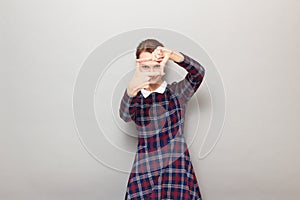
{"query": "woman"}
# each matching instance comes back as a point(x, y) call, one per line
point(162, 167)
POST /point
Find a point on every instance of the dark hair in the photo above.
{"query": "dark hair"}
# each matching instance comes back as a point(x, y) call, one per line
point(148, 45)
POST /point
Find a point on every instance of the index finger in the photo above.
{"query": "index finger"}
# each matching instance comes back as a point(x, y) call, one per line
point(137, 65)
point(143, 59)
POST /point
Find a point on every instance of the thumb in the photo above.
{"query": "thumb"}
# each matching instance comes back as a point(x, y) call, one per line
point(138, 67)
point(162, 70)
point(162, 73)
point(165, 60)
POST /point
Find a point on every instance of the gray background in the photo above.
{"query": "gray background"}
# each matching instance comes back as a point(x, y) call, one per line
point(254, 45)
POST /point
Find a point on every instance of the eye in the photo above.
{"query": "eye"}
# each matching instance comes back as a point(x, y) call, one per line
point(145, 66)
point(157, 66)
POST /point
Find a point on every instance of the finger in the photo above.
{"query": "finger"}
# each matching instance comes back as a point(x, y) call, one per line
point(164, 49)
point(138, 68)
point(162, 70)
point(158, 52)
point(137, 64)
point(167, 51)
point(153, 56)
point(157, 55)
point(143, 59)
point(145, 85)
point(165, 60)
point(142, 85)
point(160, 49)
point(159, 59)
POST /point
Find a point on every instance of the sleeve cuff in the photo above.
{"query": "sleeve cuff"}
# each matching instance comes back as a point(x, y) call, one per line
point(127, 98)
point(185, 60)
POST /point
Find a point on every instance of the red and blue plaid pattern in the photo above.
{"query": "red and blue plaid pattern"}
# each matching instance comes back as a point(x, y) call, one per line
point(162, 168)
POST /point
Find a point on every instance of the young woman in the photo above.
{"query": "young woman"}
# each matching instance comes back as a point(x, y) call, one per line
point(162, 167)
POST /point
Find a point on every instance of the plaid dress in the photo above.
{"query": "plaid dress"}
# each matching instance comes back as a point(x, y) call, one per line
point(162, 167)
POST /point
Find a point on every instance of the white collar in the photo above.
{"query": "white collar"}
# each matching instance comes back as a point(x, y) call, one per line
point(160, 89)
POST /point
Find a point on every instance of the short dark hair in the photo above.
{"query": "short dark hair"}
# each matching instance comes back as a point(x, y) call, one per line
point(148, 45)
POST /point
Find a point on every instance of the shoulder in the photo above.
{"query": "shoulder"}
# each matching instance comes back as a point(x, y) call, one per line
point(173, 88)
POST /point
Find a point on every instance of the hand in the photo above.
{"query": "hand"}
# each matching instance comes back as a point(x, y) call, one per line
point(165, 54)
point(139, 80)
point(161, 55)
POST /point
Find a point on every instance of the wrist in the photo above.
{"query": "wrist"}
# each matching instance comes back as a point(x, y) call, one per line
point(177, 57)
point(129, 92)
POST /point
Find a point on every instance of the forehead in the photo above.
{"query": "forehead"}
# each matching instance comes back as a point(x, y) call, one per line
point(147, 55)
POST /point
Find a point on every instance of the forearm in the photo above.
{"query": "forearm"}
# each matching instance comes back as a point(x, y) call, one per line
point(127, 107)
point(186, 88)
point(195, 70)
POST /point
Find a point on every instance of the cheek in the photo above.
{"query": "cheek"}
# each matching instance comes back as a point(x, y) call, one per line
point(159, 69)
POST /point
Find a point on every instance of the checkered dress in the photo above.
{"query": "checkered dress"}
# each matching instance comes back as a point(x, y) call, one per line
point(162, 167)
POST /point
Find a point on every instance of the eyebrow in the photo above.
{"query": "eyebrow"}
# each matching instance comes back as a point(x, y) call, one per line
point(149, 66)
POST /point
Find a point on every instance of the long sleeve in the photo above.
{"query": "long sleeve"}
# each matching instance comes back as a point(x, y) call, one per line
point(186, 88)
point(127, 107)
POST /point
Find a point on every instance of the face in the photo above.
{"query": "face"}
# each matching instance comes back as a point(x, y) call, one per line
point(150, 66)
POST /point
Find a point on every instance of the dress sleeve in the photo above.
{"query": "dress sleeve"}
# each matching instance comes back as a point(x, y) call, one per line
point(127, 107)
point(186, 88)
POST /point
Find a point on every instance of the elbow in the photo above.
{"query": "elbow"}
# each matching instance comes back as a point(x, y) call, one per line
point(126, 119)
point(124, 116)
point(200, 75)
point(202, 71)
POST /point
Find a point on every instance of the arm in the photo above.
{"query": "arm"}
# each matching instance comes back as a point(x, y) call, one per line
point(127, 107)
point(189, 85)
